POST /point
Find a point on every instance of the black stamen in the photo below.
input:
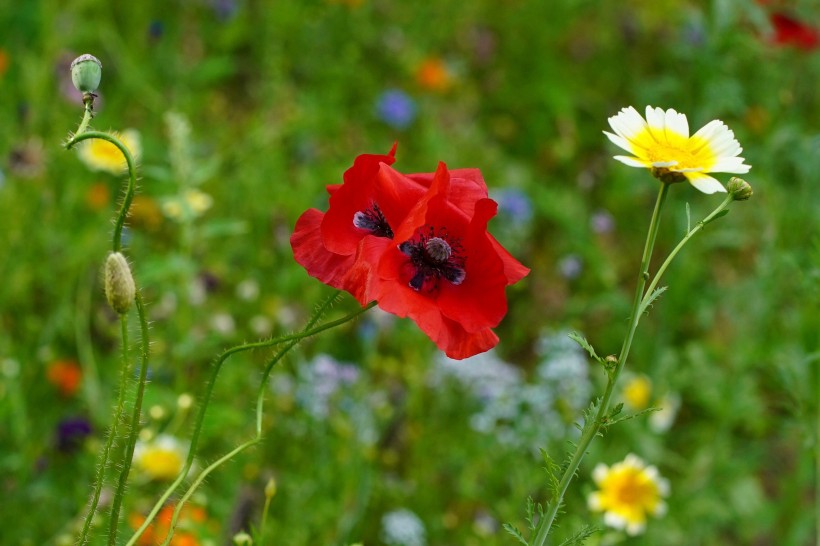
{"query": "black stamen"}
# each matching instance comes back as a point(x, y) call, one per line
point(373, 220)
point(433, 257)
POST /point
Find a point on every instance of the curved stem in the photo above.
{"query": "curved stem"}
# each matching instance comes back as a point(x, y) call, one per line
point(132, 178)
point(207, 397)
point(135, 420)
point(589, 432)
point(112, 431)
point(712, 216)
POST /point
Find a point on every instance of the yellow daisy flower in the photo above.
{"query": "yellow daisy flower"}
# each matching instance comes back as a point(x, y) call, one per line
point(628, 491)
point(160, 458)
point(661, 143)
point(101, 155)
point(637, 391)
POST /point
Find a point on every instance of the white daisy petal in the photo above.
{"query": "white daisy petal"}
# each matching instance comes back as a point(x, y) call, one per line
point(631, 161)
point(600, 472)
point(635, 528)
point(620, 142)
point(677, 122)
point(627, 123)
point(730, 165)
point(704, 182)
point(656, 120)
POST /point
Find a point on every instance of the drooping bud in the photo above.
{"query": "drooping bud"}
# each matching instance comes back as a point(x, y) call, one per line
point(86, 72)
point(739, 188)
point(120, 289)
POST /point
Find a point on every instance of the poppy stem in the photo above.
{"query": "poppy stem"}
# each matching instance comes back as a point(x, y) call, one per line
point(600, 419)
point(291, 340)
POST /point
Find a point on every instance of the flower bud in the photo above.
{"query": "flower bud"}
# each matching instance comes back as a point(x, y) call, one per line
point(739, 188)
point(120, 289)
point(242, 539)
point(270, 488)
point(86, 72)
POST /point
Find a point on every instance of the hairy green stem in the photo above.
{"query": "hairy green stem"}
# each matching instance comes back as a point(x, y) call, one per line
point(600, 416)
point(135, 421)
point(132, 178)
point(102, 464)
point(260, 401)
point(207, 397)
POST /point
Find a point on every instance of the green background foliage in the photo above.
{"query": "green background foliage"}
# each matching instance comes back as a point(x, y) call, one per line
point(279, 98)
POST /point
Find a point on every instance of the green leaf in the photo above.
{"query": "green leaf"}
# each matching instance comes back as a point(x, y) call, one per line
point(511, 529)
point(581, 536)
point(720, 214)
point(582, 341)
point(652, 297)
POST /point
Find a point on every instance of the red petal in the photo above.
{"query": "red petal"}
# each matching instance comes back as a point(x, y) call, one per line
point(339, 234)
point(308, 250)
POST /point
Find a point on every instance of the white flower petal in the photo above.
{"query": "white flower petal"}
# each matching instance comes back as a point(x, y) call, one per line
point(656, 120)
point(664, 164)
point(620, 142)
point(594, 502)
point(677, 123)
point(599, 473)
point(704, 182)
point(627, 123)
point(631, 161)
point(635, 528)
point(614, 520)
point(730, 165)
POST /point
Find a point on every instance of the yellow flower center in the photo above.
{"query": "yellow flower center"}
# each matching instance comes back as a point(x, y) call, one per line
point(657, 146)
point(629, 492)
point(163, 464)
point(637, 392)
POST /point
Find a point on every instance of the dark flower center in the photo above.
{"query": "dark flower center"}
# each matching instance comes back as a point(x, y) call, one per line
point(433, 257)
point(373, 220)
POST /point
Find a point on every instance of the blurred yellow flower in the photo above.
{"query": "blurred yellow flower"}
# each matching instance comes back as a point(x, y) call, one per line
point(637, 391)
point(101, 155)
point(191, 204)
point(661, 142)
point(161, 458)
point(628, 491)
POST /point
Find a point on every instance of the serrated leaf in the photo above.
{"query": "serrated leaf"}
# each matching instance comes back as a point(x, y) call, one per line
point(582, 341)
point(580, 537)
point(652, 297)
point(633, 415)
point(511, 529)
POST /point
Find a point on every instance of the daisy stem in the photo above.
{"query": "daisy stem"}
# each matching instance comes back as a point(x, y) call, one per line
point(112, 431)
point(590, 432)
point(699, 226)
point(308, 332)
point(132, 181)
point(134, 426)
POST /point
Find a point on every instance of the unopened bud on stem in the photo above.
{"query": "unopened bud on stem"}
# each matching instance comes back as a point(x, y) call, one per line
point(739, 188)
point(120, 289)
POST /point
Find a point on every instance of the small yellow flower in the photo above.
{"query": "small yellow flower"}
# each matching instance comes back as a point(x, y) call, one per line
point(161, 458)
point(101, 155)
point(661, 142)
point(191, 204)
point(628, 491)
point(637, 392)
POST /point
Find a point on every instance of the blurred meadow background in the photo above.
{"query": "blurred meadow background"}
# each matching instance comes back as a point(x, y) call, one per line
point(245, 110)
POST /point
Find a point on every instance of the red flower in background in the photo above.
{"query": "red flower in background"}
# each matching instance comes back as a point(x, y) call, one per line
point(418, 245)
point(791, 31)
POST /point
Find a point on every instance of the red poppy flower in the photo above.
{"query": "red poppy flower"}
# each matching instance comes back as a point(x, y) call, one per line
point(418, 245)
point(790, 31)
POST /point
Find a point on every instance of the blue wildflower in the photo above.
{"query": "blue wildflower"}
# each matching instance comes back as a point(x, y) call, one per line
point(396, 108)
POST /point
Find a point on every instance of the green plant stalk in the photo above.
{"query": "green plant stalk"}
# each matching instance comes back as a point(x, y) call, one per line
point(260, 401)
point(699, 226)
point(112, 431)
point(132, 178)
point(135, 420)
point(590, 432)
point(207, 397)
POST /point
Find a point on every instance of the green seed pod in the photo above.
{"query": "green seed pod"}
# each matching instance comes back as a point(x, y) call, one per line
point(739, 188)
point(120, 289)
point(86, 72)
